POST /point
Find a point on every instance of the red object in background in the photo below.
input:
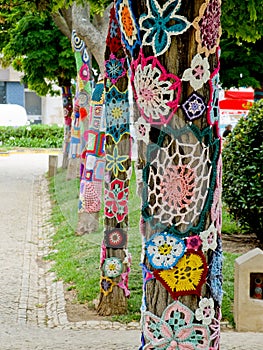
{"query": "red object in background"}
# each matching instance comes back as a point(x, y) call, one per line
point(237, 100)
point(242, 95)
point(242, 105)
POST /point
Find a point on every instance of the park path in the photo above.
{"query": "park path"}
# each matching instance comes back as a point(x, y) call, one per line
point(32, 305)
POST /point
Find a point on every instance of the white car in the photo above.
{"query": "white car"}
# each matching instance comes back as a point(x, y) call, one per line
point(12, 115)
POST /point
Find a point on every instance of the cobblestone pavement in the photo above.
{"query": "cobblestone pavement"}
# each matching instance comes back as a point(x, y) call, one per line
point(32, 305)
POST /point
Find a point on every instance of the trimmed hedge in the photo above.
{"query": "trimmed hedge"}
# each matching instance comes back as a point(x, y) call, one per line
point(243, 171)
point(34, 136)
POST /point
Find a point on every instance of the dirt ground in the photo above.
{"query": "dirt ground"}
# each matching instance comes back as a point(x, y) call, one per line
point(238, 244)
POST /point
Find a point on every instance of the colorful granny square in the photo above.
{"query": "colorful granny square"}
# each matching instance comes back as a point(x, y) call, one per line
point(194, 106)
point(115, 238)
point(95, 144)
point(99, 169)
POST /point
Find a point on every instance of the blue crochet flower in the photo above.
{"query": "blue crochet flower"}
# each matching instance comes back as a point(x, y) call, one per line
point(161, 23)
point(164, 250)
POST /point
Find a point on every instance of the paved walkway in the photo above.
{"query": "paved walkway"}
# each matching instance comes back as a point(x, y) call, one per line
point(32, 305)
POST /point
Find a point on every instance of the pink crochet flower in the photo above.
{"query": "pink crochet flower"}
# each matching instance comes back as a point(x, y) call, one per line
point(156, 92)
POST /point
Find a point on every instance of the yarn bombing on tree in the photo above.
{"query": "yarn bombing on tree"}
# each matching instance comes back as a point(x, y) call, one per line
point(173, 53)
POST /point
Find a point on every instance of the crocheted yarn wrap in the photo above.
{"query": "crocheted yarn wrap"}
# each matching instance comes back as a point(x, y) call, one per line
point(213, 104)
point(113, 40)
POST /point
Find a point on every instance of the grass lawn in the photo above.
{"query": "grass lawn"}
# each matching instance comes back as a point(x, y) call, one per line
point(77, 258)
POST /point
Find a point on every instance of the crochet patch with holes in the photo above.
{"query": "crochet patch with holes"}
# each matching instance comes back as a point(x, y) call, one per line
point(175, 329)
point(164, 250)
point(187, 277)
point(156, 92)
point(176, 178)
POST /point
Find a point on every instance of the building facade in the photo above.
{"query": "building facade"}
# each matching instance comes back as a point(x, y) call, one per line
point(45, 110)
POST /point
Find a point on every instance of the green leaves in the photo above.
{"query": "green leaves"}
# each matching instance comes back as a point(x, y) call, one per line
point(35, 136)
point(242, 171)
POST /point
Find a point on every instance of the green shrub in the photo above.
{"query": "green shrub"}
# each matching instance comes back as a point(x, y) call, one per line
point(242, 171)
point(36, 136)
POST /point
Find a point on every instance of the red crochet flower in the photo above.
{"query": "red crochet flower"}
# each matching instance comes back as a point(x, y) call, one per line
point(116, 200)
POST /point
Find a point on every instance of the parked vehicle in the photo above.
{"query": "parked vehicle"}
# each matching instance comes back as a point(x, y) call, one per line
point(12, 115)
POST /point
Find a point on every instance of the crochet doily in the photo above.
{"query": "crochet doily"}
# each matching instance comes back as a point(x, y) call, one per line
point(187, 277)
point(198, 74)
point(156, 92)
point(117, 113)
point(177, 181)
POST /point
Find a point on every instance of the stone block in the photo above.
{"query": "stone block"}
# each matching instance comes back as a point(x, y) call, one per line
point(248, 301)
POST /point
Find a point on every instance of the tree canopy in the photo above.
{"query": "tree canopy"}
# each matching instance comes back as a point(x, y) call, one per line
point(38, 49)
point(243, 19)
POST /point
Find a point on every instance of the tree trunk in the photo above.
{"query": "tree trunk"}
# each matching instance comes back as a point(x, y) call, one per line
point(67, 108)
point(115, 262)
point(175, 65)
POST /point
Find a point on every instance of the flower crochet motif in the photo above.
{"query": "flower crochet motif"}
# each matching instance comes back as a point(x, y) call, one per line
point(116, 200)
point(199, 73)
point(156, 92)
point(112, 267)
point(175, 330)
point(164, 250)
point(194, 106)
point(186, 277)
point(206, 311)
point(114, 68)
point(161, 23)
point(114, 161)
point(207, 25)
point(128, 25)
point(178, 185)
